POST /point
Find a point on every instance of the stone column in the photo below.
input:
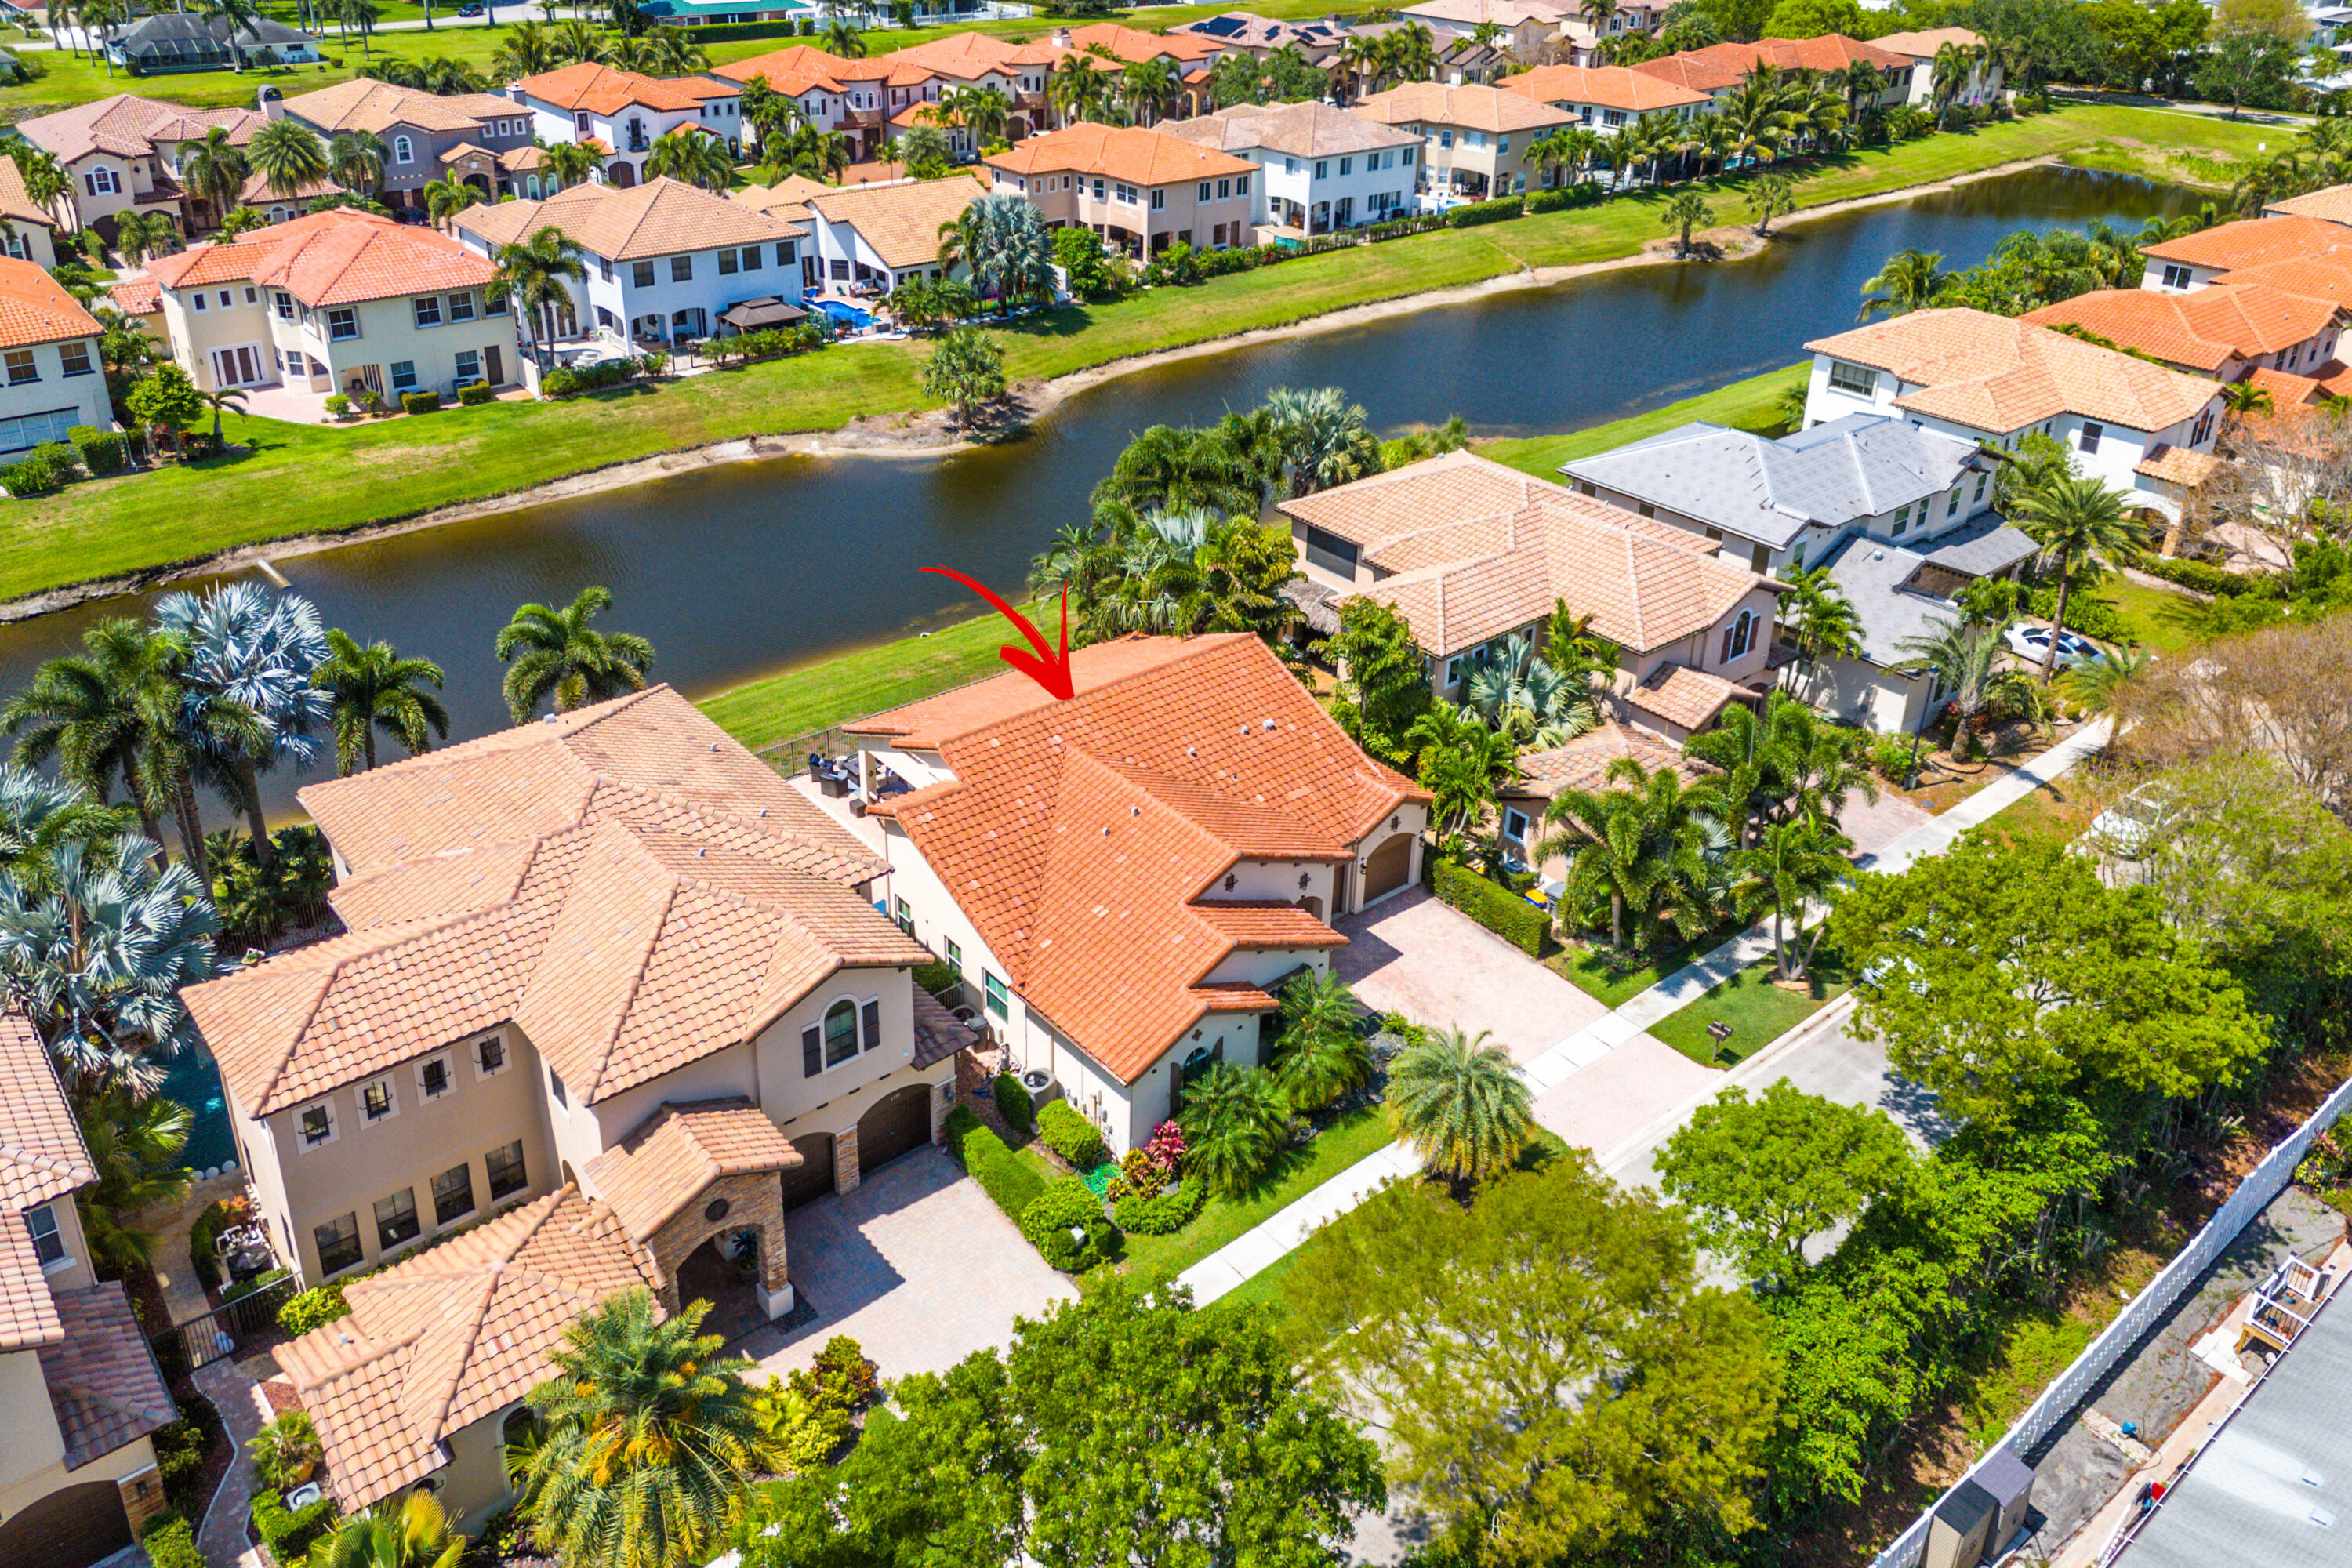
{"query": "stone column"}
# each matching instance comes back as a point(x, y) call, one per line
point(845, 1162)
point(775, 1286)
point(142, 1497)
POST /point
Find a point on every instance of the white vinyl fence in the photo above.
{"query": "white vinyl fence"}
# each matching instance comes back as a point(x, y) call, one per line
point(2056, 1405)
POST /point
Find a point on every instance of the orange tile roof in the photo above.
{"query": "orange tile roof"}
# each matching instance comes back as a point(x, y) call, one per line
point(2203, 331)
point(2178, 465)
point(2331, 204)
point(630, 888)
point(968, 55)
point(1990, 373)
point(361, 104)
point(2230, 246)
point(16, 203)
point(34, 309)
point(901, 221)
point(103, 1381)
point(1133, 45)
point(1681, 696)
point(793, 70)
point(257, 190)
point(601, 89)
point(28, 1310)
point(125, 125)
point(2327, 277)
point(786, 201)
point(1082, 837)
point(340, 257)
point(1501, 13)
point(1266, 925)
point(1927, 44)
point(1479, 108)
point(1302, 130)
point(1611, 86)
point(1584, 763)
point(1139, 155)
point(661, 217)
point(1720, 65)
point(453, 1334)
point(136, 296)
point(668, 1162)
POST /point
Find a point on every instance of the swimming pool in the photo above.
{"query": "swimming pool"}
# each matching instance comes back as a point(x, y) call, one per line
point(842, 311)
point(194, 1082)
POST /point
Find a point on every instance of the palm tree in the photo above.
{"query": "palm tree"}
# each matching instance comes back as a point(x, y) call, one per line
point(39, 816)
point(107, 714)
point(1949, 73)
point(1324, 437)
point(135, 1146)
point(407, 1532)
point(2243, 399)
point(1962, 658)
point(218, 400)
point(575, 43)
point(1234, 1123)
point(375, 687)
point(536, 274)
point(1643, 847)
point(556, 654)
point(1148, 87)
point(2081, 527)
point(1322, 1054)
point(356, 160)
point(216, 170)
point(527, 51)
point(1523, 698)
point(1769, 196)
point(572, 163)
point(693, 157)
point(2094, 686)
point(447, 196)
point(1461, 1104)
point(1462, 762)
point(287, 154)
point(1359, 61)
point(1909, 282)
point(1686, 211)
point(652, 1438)
point(982, 111)
point(843, 41)
point(1002, 239)
point(140, 235)
point(248, 702)
point(1790, 864)
point(1816, 611)
point(923, 150)
point(1078, 88)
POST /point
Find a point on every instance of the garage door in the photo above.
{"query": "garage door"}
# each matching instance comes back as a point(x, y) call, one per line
point(68, 1528)
point(897, 1125)
point(813, 1177)
point(1391, 864)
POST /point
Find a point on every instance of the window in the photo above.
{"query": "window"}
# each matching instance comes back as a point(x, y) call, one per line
point(342, 324)
point(495, 303)
point(1224, 189)
point(904, 916)
point(1853, 378)
point(955, 958)
point(506, 1175)
point(1408, 157)
point(252, 295)
point(1125, 192)
point(1098, 187)
point(1502, 145)
point(1515, 826)
point(1978, 494)
point(2196, 437)
point(315, 1125)
point(1158, 201)
point(994, 993)
point(1452, 672)
point(1738, 637)
point(196, 301)
point(1952, 506)
point(1202, 194)
point(2089, 443)
point(727, 263)
point(1322, 168)
point(461, 307)
point(376, 1101)
point(453, 1194)
point(102, 182)
point(429, 309)
point(490, 1057)
point(840, 1033)
point(1347, 167)
point(432, 1077)
point(1445, 138)
point(47, 1245)
point(295, 364)
point(1901, 521)
point(226, 299)
point(555, 1088)
point(396, 1219)
point(21, 368)
point(285, 305)
point(787, 253)
point(681, 268)
point(403, 150)
point(75, 358)
point(469, 366)
point(751, 258)
point(642, 274)
point(2176, 277)
point(338, 1241)
point(403, 375)
point(1241, 185)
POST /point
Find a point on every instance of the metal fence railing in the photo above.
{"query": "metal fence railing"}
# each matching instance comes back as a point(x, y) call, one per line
point(224, 1330)
point(2058, 1402)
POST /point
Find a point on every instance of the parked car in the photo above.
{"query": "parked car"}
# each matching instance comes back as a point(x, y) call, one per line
point(2032, 644)
point(2128, 829)
point(469, 10)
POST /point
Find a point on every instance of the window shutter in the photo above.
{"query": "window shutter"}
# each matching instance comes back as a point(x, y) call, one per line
point(812, 1052)
point(873, 1025)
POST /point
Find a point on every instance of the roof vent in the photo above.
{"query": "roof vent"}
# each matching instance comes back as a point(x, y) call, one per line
point(1878, 555)
point(1106, 833)
point(1191, 751)
point(701, 852)
point(547, 719)
point(1135, 811)
point(714, 746)
point(1268, 723)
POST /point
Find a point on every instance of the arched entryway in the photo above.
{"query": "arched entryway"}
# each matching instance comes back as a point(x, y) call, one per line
point(813, 1177)
point(1388, 867)
point(725, 1271)
point(898, 1123)
point(620, 174)
point(70, 1528)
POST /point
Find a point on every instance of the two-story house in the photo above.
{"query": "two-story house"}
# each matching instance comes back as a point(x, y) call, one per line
point(1531, 29)
point(80, 1392)
point(1718, 69)
point(1189, 55)
point(2139, 428)
point(28, 231)
point(848, 96)
point(338, 301)
point(1319, 169)
point(1126, 879)
point(2191, 261)
point(51, 375)
point(1985, 73)
point(2224, 329)
point(1473, 139)
point(1017, 72)
point(1470, 554)
point(1606, 97)
point(886, 232)
point(663, 259)
point(626, 113)
point(121, 154)
point(424, 137)
point(1140, 189)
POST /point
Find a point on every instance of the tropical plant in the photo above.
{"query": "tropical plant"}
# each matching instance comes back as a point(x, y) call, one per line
point(109, 714)
point(141, 235)
point(693, 157)
point(1324, 438)
point(374, 688)
point(1461, 1104)
point(2096, 685)
point(238, 222)
point(1769, 196)
point(39, 816)
point(216, 169)
point(1819, 615)
point(1791, 865)
point(288, 155)
point(219, 399)
point(410, 1531)
point(1686, 211)
point(2081, 527)
point(1519, 693)
point(1909, 282)
point(1645, 848)
point(1078, 86)
point(569, 162)
point(356, 158)
point(1963, 658)
point(1462, 764)
point(447, 196)
point(286, 1449)
point(1235, 1122)
point(966, 371)
point(135, 1146)
point(1003, 241)
point(247, 703)
point(1179, 574)
point(557, 654)
point(534, 274)
point(1321, 1054)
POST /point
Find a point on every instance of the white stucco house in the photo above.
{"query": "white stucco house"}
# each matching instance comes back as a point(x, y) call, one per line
point(1322, 168)
point(51, 378)
point(626, 114)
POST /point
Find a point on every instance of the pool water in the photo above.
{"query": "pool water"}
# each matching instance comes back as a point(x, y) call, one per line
point(194, 1082)
point(845, 313)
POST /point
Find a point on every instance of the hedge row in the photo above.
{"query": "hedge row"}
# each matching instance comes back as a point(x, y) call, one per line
point(170, 1542)
point(988, 1160)
point(2201, 575)
point(289, 1535)
point(2092, 618)
point(1069, 1134)
point(1158, 1213)
point(1513, 918)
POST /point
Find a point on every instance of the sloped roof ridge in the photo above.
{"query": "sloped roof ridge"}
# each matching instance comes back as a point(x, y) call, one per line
point(1201, 646)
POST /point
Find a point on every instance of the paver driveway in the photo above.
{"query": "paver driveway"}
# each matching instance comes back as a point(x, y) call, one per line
point(1438, 967)
point(918, 1265)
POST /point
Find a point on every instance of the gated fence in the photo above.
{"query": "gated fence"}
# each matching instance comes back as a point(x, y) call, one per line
point(2058, 1402)
point(223, 1332)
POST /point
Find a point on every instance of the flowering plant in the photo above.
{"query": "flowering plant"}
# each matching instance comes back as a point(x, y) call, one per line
point(1166, 1148)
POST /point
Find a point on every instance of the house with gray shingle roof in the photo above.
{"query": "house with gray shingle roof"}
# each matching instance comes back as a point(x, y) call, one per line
point(178, 41)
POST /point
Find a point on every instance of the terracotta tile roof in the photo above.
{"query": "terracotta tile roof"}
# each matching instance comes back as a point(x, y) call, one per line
point(28, 1311)
point(1479, 108)
point(938, 1033)
point(1301, 129)
point(1584, 763)
point(340, 257)
point(35, 310)
point(103, 1381)
point(1611, 86)
point(124, 125)
point(2327, 277)
point(1080, 837)
point(136, 296)
point(1457, 489)
point(601, 89)
point(196, 124)
point(1133, 45)
point(2333, 205)
point(630, 888)
point(660, 217)
point(668, 1162)
point(1925, 44)
point(901, 222)
point(968, 55)
point(258, 191)
point(522, 158)
point(1266, 925)
point(786, 201)
point(1997, 376)
point(2203, 331)
point(1681, 695)
point(2251, 242)
point(452, 1334)
point(2178, 465)
point(16, 203)
point(1136, 154)
point(361, 104)
point(42, 1159)
point(1501, 13)
point(794, 69)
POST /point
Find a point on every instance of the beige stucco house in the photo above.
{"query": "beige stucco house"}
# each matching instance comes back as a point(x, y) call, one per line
point(125, 153)
point(1143, 190)
point(1473, 139)
point(51, 374)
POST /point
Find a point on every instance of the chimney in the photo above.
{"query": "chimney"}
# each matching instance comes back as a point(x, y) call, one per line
point(1061, 37)
point(270, 103)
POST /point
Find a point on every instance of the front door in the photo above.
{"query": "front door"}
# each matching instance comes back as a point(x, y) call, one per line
point(494, 361)
point(239, 366)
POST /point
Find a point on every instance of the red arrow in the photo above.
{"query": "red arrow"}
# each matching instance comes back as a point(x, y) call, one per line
point(1049, 667)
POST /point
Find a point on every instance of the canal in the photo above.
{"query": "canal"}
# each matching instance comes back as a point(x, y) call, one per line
point(738, 571)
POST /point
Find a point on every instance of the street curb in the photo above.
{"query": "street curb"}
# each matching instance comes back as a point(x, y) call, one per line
point(1832, 1012)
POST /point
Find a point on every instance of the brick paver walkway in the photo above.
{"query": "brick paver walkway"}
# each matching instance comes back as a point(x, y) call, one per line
point(243, 1409)
point(1437, 966)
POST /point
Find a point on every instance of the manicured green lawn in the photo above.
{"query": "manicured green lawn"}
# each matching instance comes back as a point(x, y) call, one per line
point(1750, 405)
point(1758, 1011)
point(854, 685)
point(2145, 608)
point(1588, 972)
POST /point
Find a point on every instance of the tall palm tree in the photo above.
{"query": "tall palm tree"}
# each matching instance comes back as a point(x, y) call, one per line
point(356, 158)
point(982, 111)
point(1962, 657)
point(447, 196)
point(1325, 439)
point(535, 274)
point(216, 170)
point(248, 702)
point(1460, 1102)
point(375, 687)
point(1078, 88)
point(1790, 865)
point(2081, 527)
point(527, 51)
point(109, 714)
point(693, 157)
point(141, 235)
point(135, 1146)
point(2096, 685)
point(1687, 211)
point(1949, 73)
point(287, 154)
point(39, 816)
point(1816, 611)
point(575, 43)
point(1909, 282)
point(1643, 847)
point(407, 1532)
point(1148, 89)
point(551, 653)
point(571, 163)
point(1461, 765)
point(652, 1438)
point(843, 41)
point(1521, 696)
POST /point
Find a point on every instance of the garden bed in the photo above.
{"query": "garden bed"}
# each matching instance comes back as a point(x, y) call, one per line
point(1585, 965)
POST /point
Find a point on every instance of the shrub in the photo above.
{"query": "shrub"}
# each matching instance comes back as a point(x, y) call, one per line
point(1889, 756)
point(339, 403)
point(2202, 576)
point(170, 1542)
point(420, 402)
point(1012, 1103)
point(285, 1450)
point(1225, 263)
point(939, 977)
point(843, 1375)
point(313, 1308)
point(473, 395)
point(1514, 919)
point(1007, 1179)
point(1476, 213)
point(566, 379)
point(1161, 1213)
point(1067, 1205)
point(102, 452)
point(2092, 618)
point(1070, 1135)
point(1237, 1123)
point(181, 1447)
point(289, 1536)
point(33, 476)
point(804, 1433)
point(244, 1288)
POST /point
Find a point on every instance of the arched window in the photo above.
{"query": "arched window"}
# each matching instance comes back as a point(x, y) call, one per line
point(1737, 636)
point(402, 150)
point(840, 1032)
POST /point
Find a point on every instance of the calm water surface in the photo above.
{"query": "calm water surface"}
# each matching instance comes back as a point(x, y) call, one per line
point(738, 571)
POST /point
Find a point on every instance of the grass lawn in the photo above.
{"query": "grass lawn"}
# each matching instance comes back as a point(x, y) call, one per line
point(852, 685)
point(1588, 972)
point(2143, 607)
point(1353, 1138)
point(1758, 1011)
point(1750, 405)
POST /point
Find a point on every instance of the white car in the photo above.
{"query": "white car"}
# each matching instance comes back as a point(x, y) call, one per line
point(2128, 829)
point(2032, 644)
